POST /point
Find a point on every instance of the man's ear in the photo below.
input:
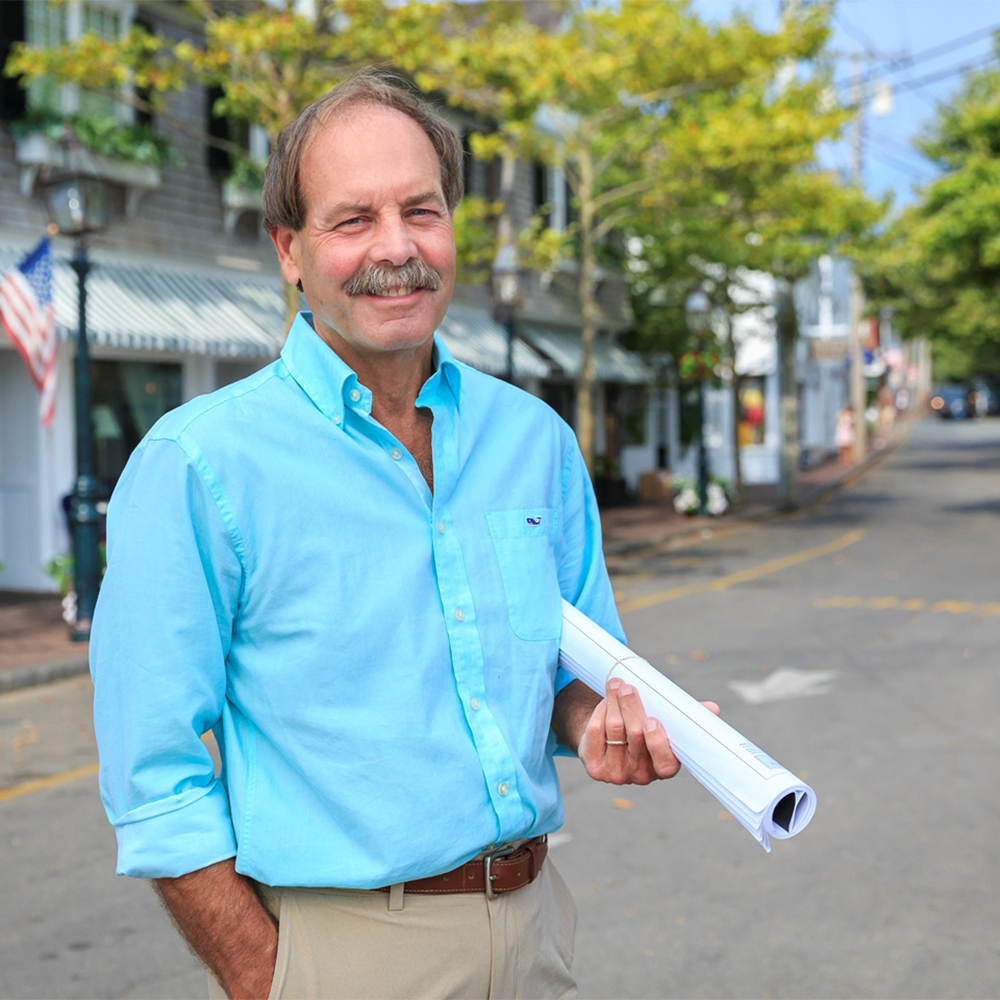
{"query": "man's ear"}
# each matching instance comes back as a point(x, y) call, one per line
point(286, 242)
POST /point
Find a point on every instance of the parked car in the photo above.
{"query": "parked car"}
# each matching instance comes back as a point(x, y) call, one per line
point(954, 402)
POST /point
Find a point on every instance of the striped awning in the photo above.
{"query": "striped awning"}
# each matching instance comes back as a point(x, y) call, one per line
point(476, 340)
point(151, 306)
point(156, 307)
point(613, 363)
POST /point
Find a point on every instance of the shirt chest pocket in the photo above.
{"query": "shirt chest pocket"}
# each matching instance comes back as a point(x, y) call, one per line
point(523, 541)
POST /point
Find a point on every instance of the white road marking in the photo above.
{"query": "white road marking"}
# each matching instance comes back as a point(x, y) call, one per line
point(785, 682)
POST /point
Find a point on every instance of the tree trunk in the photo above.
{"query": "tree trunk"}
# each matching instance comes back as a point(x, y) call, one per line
point(588, 309)
point(788, 483)
point(734, 385)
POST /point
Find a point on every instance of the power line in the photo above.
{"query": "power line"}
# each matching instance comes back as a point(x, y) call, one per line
point(898, 165)
point(888, 155)
point(900, 65)
point(925, 81)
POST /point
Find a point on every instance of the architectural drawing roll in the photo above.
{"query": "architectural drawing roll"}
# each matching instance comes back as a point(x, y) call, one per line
point(767, 799)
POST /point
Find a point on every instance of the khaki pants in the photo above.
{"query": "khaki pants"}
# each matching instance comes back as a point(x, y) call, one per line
point(342, 943)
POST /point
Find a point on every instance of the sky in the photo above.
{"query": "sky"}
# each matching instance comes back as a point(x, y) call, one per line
point(916, 46)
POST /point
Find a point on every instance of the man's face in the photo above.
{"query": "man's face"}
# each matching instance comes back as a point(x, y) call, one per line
point(374, 203)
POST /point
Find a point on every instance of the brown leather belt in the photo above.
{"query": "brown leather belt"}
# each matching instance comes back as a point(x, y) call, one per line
point(503, 870)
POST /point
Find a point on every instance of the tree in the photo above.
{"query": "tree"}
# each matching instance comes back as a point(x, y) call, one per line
point(744, 196)
point(938, 265)
point(619, 114)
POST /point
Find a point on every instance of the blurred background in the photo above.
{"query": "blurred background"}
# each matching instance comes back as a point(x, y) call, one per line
point(749, 251)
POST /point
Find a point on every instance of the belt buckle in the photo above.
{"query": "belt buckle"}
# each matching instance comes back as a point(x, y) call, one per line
point(500, 852)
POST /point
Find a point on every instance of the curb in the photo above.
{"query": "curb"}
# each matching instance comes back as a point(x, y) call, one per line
point(758, 513)
point(42, 673)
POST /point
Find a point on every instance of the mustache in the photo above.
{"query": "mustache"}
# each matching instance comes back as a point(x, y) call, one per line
point(376, 280)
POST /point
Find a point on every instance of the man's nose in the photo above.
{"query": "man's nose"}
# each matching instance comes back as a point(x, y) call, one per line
point(393, 242)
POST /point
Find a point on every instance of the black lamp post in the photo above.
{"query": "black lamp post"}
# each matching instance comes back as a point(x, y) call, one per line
point(698, 311)
point(507, 283)
point(75, 198)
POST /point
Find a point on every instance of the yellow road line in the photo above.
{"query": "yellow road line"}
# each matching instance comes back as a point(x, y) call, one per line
point(744, 576)
point(908, 604)
point(39, 784)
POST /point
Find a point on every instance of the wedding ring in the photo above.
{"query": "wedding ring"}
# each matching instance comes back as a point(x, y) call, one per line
point(617, 743)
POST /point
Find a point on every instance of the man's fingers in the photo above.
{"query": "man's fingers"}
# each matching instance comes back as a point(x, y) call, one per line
point(712, 707)
point(614, 723)
point(665, 762)
point(634, 720)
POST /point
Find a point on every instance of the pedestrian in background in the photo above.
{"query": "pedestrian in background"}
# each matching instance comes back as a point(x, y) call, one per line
point(843, 434)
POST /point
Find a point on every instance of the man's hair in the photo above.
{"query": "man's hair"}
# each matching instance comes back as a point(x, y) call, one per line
point(372, 87)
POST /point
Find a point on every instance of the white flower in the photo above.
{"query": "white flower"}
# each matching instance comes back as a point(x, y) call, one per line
point(717, 502)
point(69, 608)
point(686, 500)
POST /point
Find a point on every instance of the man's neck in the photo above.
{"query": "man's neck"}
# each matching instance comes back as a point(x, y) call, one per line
point(395, 379)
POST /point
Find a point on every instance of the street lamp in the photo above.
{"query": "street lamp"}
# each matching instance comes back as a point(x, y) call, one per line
point(74, 195)
point(698, 312)
point(506, 280)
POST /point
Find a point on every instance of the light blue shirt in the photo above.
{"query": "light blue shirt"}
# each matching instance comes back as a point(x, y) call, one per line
point(378, 664)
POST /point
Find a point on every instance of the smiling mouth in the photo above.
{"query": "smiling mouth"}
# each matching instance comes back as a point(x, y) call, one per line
point(395, 293)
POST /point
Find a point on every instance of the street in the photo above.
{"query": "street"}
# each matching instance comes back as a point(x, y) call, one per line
point(856, 643)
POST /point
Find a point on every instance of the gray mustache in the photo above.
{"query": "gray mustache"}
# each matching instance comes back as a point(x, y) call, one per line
point(375, 280)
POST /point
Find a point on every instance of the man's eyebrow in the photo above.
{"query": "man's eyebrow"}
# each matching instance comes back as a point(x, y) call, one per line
point(424, 197)
point(349, 209)
point(345, 210)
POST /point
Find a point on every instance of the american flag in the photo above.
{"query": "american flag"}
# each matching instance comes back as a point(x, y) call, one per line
point(29, 319)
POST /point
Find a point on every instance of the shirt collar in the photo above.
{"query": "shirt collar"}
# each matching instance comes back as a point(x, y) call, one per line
point(332, 384)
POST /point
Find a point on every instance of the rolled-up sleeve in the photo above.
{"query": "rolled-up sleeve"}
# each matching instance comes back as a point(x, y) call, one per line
point(158, 649)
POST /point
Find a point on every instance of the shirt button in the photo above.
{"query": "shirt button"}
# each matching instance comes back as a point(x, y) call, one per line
point(397, 453)
point(355, 395)
point(475, 704)
point(441, 527)
point(502, 788)
point(460, 614)
point(337, 418)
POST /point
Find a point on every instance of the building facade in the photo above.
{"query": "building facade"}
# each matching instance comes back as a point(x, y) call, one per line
point(186, 295)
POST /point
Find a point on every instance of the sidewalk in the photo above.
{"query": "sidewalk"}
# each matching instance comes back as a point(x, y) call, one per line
point(35, 647)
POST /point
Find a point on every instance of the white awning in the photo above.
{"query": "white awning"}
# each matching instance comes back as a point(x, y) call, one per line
point(152, 306)
point(158, 307)
point(613, 363)
point(476, 340)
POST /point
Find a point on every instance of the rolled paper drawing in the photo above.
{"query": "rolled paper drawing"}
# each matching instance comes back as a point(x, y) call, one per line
point(766, 798)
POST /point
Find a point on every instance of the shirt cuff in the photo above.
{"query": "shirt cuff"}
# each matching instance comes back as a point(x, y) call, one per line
point(194, 835)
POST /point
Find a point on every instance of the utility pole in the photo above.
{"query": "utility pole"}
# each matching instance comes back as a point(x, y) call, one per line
point(857, 376)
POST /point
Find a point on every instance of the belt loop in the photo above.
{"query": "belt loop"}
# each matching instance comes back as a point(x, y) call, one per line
point(396, 896)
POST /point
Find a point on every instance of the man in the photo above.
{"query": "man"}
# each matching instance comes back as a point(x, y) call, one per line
point(349, 567)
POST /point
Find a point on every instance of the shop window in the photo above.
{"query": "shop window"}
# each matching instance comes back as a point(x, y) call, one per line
point(631, 407)
point(752, 410)
point(127, 398)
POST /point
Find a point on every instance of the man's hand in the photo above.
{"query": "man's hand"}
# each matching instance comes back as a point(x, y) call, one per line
point(614, 738)
point(226, 925)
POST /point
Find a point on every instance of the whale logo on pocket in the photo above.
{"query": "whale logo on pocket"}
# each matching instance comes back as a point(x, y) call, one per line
point(533, 520)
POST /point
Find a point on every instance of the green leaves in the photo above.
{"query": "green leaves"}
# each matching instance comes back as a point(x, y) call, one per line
point(938, 265)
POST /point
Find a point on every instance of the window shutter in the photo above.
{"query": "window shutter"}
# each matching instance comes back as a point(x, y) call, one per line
point(217, 127)
point(13, 101)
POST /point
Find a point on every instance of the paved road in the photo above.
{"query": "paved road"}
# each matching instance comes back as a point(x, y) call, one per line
point(857, 643)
